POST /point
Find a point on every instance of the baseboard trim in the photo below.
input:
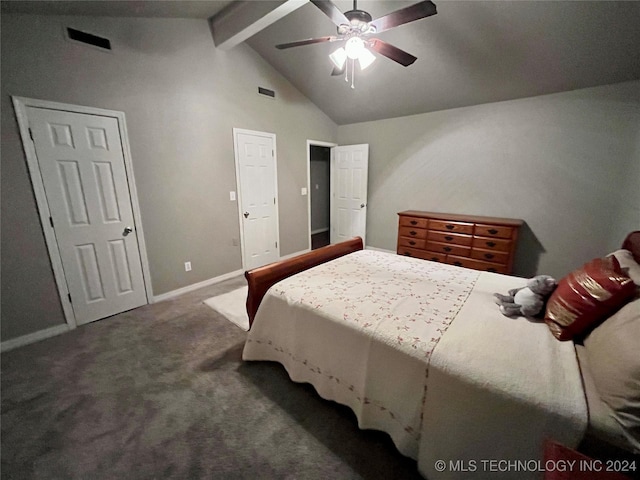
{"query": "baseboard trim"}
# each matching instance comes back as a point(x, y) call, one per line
point(196, 286)
point(369, 247)
point(33, 337)
point(320, 230)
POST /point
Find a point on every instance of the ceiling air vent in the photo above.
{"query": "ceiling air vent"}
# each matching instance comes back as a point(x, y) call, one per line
point(89, 39)
point(266, 92)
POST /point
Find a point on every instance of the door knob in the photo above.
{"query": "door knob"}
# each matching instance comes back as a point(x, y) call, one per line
point(246, 214)
point(362, 205)
point(127, 231)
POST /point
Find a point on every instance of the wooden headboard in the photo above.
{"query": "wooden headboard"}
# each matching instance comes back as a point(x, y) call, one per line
point(632, 243)
point(260, 279)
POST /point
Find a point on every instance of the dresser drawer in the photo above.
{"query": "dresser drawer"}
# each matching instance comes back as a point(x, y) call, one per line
point(412, 252)
point(435, 257)
point(444, 237)
point(498, 244)
point(448, 248)
point(490, 255)
point(456, 227)
point(476, 264)
point(423, 254)
point(412, 232)
point(493, 231)
point(413, 222)
point(412, 242)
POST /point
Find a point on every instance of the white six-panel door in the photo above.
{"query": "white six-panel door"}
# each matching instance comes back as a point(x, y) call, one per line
point(81, 161)
point(349, 172)
point(256, 164)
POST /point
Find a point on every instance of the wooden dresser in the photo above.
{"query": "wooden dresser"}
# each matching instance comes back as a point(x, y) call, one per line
point(481, 243)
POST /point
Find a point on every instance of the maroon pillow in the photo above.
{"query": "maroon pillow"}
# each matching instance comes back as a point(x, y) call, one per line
point(586, 296)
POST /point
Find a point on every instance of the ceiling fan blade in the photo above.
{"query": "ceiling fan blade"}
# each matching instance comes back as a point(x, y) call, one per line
point(309, 41)
point(394, 53)
point(404, 15)
point(331, 11)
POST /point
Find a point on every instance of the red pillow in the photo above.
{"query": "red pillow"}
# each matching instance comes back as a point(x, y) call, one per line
point(586, 296)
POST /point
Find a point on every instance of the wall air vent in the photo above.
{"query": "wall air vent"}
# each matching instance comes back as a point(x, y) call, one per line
point(266, 92)
point(88, 39)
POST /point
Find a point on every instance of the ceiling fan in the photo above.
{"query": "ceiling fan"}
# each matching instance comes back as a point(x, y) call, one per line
point(355, 27)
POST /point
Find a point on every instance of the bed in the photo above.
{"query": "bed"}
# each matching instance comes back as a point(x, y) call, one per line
point(419, 350)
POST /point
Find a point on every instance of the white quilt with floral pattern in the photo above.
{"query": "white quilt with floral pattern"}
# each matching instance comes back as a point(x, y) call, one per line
point(363, 329)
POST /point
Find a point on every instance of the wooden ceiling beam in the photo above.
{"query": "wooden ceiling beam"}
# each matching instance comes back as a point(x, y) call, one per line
point(242, 19)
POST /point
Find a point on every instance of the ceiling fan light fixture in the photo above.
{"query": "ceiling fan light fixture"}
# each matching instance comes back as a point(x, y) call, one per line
point(339, 57)
point(366, 58)
point(354, 47)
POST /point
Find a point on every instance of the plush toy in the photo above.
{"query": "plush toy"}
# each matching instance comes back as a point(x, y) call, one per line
point(529, 300)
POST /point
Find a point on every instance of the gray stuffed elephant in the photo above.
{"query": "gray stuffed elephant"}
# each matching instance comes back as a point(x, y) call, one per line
point(529, 300)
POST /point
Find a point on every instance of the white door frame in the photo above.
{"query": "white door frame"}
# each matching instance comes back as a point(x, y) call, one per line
point(317, 143)
point(240, 131)
point(20, 104)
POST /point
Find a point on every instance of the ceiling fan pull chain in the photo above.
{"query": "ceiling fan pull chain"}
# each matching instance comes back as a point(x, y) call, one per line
point(353, 73)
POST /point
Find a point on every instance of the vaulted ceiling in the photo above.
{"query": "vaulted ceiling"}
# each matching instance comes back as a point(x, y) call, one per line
point(471, 52)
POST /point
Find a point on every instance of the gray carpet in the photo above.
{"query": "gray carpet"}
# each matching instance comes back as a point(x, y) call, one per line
point(162, 392)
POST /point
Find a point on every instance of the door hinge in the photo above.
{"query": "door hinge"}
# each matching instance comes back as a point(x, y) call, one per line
point(274, 200)
point(276, 244)
point(51, 221)
point(31, 133)
point(69, 295)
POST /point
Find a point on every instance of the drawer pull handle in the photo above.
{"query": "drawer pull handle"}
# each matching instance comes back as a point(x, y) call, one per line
point(457, 264)
point(450, 227)
point(413, 222)
point(491, 244)
point(489, 255)
point(407, 254)
point(435, 259)
point(413, 232)
point(448, 237)
point(447, 249)
point(411, 242)
point(491, 270)
point(493, 231)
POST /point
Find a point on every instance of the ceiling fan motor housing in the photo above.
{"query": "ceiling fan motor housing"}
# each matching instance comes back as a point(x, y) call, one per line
point(359, 21)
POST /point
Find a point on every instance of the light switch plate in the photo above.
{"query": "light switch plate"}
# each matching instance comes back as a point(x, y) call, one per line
point(232, 196)
point(303, 191)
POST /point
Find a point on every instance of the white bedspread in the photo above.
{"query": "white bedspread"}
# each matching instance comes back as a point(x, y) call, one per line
point(363, 329)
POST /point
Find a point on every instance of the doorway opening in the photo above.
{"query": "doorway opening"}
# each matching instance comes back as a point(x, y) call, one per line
point(319, 184)
point(337, 192)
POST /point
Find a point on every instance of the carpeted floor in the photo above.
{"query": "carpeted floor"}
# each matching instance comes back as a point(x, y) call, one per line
point(162, 392)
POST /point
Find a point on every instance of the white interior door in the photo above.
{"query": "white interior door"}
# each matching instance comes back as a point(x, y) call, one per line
point(349, 172)
point(81, 161)
point(257, 181)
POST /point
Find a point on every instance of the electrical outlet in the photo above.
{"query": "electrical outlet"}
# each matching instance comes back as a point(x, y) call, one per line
point(187, 266)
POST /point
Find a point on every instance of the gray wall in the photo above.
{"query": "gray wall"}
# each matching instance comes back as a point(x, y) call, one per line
point(568, 164)
point(319, 170)
point(181, 97)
